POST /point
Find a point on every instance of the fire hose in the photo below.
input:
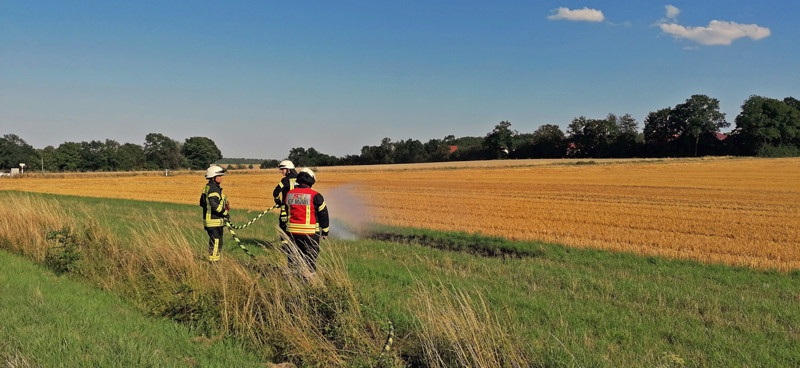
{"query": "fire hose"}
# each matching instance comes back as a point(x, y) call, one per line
point(236, 238)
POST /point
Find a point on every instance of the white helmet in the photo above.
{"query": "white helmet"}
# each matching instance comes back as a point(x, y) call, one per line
point(307, 170)
point(214, 171)
point(286, 164)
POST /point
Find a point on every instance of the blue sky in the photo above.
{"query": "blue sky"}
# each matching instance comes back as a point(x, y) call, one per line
point(262, 77)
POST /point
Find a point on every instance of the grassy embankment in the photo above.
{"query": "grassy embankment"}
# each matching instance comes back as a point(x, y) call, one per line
point(545, 304)
point(50, 321)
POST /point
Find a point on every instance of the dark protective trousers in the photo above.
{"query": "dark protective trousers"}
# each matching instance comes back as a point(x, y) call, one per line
point(214, 242)
point(308, 245)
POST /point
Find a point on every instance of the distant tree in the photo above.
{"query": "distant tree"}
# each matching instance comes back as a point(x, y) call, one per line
point(300, 156)
point(130, 157)
point(409, 151)
point(626, 124)
point(311, 158)
point(70, 157)
point(660, 128)
point(593, 137)
point(699, 116)
point(549, 142)
point(627, 142)
point(109, 155)
point(14, 151)
point(250, 166)
point(792, 102)
point(269, 164)
point(436, 150)
point(200, 152)
point(163, 152)
point(497, 143)
point(470, 153)
point(91, 158)
point(766, 123)
point(48, 157)
point(385, 152)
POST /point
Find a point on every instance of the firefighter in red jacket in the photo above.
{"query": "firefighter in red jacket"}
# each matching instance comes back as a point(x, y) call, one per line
point(308, 218)
point(215, 211)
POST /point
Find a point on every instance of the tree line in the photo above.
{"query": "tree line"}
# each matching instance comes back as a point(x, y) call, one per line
point(158, 152)
point(764, 127)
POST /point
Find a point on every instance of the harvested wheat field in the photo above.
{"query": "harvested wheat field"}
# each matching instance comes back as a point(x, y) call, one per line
point(721, 210)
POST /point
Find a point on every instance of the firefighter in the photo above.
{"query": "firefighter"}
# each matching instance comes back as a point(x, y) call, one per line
point(308, 218)
point(215, 211)
point(287, 183)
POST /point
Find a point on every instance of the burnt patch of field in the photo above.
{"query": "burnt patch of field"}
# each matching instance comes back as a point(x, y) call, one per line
point(483, 246)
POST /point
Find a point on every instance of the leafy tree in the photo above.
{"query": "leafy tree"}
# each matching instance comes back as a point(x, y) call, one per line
point(409, 151)
point(163, 152)
point(200, 152)
point(91, 159)
point(699, 116)
point(626, 124)
point(269, 164)
point(70, 156)
point(627, 143)
point(311, 158)
point(48, 157)
point(14, 151)
point(593, 137)
point(549, 141)
point(766, 122)
point(497, 143)
point(678, 131)
point(659, 128)
point(792, 102)
point(437, 150)
point(109, 155)
point(130, 157)
point(301, 157)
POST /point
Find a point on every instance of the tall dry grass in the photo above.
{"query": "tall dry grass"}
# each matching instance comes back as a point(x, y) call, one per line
point(281, 313)
point(457, 330)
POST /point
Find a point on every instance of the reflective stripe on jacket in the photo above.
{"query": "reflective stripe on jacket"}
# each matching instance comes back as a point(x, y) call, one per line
point(286, 184)
point(215, 205)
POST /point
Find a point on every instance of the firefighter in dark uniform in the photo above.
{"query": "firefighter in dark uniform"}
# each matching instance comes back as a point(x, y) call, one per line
point(308, 218)
point(215, 211)
point(287, 183)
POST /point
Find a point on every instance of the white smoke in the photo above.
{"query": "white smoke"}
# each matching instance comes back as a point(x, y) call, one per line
point(348, 211)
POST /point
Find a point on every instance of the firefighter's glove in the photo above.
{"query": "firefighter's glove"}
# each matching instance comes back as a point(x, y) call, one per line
point(284, 216)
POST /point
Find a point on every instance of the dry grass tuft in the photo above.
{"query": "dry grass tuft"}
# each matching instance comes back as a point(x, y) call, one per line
point(457, 330)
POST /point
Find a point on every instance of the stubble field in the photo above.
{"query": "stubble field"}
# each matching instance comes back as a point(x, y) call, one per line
point(731, 211)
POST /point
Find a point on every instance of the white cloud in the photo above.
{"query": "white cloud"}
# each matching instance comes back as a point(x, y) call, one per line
point(585, 14)
point(716, 33)
point(672, 11)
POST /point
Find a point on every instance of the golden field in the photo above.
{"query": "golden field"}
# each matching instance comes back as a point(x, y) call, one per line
point(721, 210)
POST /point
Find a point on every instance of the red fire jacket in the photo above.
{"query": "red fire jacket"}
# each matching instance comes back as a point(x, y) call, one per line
point(307, 211)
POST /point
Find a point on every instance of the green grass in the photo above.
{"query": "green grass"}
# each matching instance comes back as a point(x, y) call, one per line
point(52, 321)
point(570, 307)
